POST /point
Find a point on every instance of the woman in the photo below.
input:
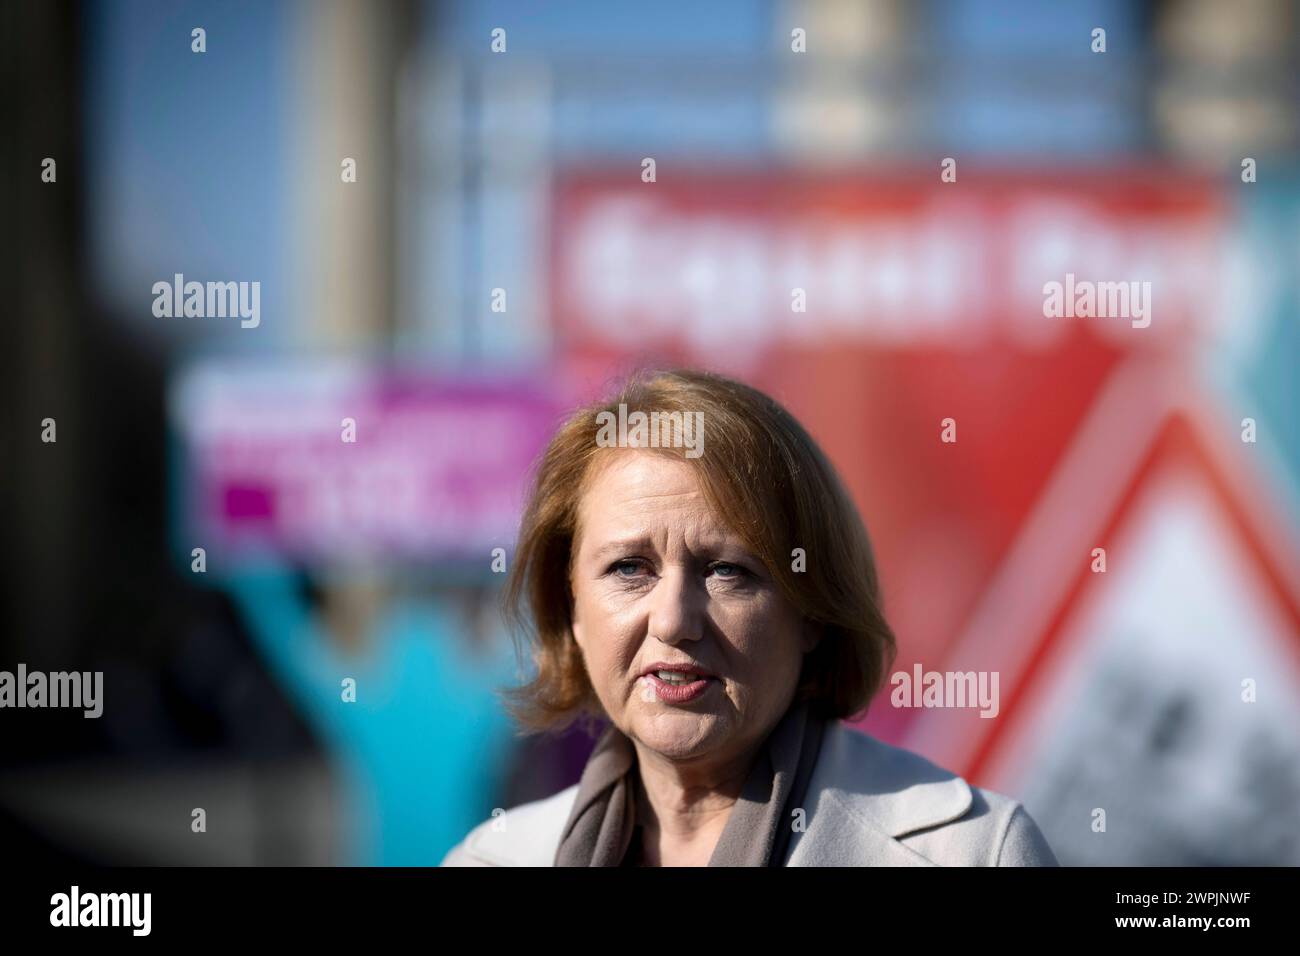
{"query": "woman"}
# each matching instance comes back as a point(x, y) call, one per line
point(716, 601)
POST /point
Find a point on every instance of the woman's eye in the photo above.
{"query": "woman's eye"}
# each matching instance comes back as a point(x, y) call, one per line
point(625, 569)
point(632, 568)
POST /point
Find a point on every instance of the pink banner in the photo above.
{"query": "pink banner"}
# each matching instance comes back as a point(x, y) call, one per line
point(328, 461)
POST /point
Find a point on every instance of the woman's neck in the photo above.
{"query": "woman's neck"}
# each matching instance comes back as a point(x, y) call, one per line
point(683, 811)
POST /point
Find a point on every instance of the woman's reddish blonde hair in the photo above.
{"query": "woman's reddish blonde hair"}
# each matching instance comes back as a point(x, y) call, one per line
point(769, 481)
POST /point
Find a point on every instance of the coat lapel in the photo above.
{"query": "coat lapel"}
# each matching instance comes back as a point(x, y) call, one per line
point(864, 796)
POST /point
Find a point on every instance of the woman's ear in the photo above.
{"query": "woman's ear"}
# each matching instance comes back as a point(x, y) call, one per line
point(575, 626)
point(576, 629)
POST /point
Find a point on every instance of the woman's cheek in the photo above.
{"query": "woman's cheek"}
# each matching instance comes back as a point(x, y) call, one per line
point(744, 626)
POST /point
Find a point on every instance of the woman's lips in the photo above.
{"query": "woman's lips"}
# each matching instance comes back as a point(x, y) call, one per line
point(679, 693)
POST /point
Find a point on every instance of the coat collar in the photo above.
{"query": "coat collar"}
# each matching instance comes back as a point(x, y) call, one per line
point(864, 795)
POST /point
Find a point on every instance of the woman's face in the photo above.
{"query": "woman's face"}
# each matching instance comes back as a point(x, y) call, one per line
point(659, 580)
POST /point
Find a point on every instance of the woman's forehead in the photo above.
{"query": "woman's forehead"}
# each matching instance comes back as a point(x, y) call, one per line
point(640, 480)
point(643, 498)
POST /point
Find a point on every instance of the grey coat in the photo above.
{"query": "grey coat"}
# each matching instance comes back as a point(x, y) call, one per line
point(869, 804)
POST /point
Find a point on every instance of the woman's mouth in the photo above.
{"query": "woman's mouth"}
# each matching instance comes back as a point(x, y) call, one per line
point(676, 687)
point(677, 677)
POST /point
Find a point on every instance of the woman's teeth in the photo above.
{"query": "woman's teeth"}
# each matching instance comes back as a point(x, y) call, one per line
point(673, 677)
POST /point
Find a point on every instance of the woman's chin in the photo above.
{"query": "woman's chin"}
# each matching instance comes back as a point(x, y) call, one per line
point(679, 736)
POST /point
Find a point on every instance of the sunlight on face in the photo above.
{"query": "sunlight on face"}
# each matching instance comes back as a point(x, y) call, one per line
point(657, 578)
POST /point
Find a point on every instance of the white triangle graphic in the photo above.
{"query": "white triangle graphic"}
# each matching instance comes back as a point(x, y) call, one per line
point(1140, 711)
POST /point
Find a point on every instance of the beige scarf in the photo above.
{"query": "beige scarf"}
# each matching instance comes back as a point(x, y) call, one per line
point(600, 825)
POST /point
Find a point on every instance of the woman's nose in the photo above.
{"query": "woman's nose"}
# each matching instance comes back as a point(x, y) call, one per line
point(676, 611)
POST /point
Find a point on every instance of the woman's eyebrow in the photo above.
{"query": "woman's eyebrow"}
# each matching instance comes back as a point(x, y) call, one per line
point(621, 546)
point(714, 545)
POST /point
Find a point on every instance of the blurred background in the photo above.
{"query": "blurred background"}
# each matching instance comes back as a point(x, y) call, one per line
point(456, 235)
